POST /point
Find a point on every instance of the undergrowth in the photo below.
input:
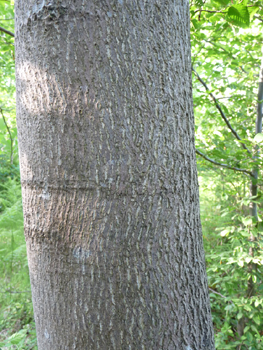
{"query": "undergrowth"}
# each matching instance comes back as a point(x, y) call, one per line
point(17, 330)
point(237, 312)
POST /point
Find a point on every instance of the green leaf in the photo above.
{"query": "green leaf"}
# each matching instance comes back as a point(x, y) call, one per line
point(238, 15)
point(257, 302)
point(246, 329)
point(224, 233)
point(17, 337)
point(247, 221)
point(245, 234)
point(196, 23)
point(256, 319)
point(247, 307)
point(248, 259)
point(223, 2)
point(253, 10)
point(199, 3)
point(239, 315)
point(240, 263)
point(259, 137)
point(250, 337)
point(255, 330)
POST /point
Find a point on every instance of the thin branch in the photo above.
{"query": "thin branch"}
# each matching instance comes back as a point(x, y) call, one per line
point(7, 31)
point(259, 18)
point(220, 111)
point(215, 292)
point(221, 295)
point(224, 165)
point(10, 135)
point(210, 11)
point(226, 98)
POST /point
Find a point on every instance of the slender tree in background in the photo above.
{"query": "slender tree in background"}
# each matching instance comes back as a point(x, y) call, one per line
point(254, 194)
point(108, 172)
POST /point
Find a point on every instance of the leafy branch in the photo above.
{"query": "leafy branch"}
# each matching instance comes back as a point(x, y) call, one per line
point(221, 111)
point(259, 18)
point(7, 31)
point(229, 53)
point(224, 165)
point(210, 11)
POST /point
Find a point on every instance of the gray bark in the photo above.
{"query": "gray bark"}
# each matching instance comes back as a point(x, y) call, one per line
point(108, 172)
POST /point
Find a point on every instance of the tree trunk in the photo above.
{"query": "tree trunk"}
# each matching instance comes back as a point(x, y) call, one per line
point(108, 172)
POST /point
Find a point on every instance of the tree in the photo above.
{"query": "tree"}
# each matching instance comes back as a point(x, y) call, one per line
point(108, 173)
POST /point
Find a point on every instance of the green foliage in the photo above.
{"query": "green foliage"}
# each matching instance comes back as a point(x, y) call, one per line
point(226, 55)
point(16, 314)
point(25, 338)
point(7, 170)
point(7, 79)
point(226, 230)
point(17, 329)
point(238, 15)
